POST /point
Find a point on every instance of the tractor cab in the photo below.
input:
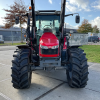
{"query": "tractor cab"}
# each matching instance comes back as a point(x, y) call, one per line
point(48, 35)
point(46, 22)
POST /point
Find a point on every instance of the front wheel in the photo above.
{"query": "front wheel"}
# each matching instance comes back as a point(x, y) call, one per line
point(21, 72)
point(77, 73)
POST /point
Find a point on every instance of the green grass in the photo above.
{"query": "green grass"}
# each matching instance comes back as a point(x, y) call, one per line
point(10, 44)
point(92, 52)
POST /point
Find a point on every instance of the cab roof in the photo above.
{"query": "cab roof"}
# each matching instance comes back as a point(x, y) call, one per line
point(47, 12)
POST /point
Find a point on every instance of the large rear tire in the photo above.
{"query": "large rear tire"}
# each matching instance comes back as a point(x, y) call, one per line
point(21, 72)
point(77, 73)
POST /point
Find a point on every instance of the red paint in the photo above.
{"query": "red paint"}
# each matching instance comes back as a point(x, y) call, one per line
point(65, 45)
point(48, 39)
point(31, 44)
point(55, 55)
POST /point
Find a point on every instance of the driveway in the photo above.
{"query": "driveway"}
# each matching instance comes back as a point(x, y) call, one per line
point(47, 85)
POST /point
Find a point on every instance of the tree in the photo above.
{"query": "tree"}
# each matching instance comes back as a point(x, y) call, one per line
point(18, 8)
point(95, 29)
point(85, 27)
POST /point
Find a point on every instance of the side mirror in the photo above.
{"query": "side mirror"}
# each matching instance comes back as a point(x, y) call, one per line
point(77, 19)
point(17, 19)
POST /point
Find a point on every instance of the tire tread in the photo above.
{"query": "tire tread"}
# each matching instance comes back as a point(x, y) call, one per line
point(79, 80)
point(19, 75)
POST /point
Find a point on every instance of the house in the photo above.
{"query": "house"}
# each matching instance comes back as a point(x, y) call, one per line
point(15, 33)
point(66, 30)
point(10, 33)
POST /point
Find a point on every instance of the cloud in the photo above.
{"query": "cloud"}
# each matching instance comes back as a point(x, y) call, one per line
point(82, 3)
point(89, 15)
point(96, 4)
point(96, 7)
point(50, 1)
point(71, 27)
point(1, 21)
point(87, 9)
point(70, 8)
point(82, 17)
point(96, 21)
point(77, 5)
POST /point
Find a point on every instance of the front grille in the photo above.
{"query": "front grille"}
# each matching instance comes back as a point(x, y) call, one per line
point(49, 51)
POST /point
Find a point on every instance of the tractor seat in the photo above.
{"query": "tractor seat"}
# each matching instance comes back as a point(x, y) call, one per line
point(47, 30)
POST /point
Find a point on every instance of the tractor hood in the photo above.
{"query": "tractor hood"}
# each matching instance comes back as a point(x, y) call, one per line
point(49, 39)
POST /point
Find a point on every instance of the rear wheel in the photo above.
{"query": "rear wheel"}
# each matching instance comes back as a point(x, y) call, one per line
point(77, 73)
point(21, 72)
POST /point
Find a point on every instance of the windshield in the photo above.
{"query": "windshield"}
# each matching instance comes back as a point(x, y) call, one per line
point(44, 22)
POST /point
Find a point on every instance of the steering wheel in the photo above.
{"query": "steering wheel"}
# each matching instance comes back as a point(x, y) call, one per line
point(47, 25)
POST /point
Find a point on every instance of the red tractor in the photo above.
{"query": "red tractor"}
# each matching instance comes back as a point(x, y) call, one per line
point(48, 48)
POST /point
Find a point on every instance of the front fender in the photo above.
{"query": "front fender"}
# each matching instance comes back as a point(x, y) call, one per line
point(26, 47)
point(23, 46)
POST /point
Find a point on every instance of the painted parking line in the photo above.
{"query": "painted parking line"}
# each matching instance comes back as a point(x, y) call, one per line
point(5, 65)
point(6, 54)
point(92, 65)
point(5, 79)
point(4, 96)
point(7, 50)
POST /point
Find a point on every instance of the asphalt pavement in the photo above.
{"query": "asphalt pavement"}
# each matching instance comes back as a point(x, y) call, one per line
point(46, 85)
point(6, 48)
point(92, 43)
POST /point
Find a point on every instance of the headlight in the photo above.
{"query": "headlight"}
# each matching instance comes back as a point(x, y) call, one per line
point(43, 47)
point(55, 47)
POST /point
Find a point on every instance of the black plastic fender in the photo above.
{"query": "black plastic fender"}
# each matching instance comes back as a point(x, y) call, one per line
point(23, 46)
point(26, 47)
point(74, 46)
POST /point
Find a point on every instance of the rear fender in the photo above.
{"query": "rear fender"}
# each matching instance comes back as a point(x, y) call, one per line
point(75, 46)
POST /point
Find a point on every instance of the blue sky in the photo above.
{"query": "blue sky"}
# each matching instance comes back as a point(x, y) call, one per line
point(87, 9)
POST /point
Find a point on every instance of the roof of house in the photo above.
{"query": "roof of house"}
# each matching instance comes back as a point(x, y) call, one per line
point(67, 30)
point(11, 29)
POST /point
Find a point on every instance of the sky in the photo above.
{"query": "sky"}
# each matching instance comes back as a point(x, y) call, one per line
point(87, 9)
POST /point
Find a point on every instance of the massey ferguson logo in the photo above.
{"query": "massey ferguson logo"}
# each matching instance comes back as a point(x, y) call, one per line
point(49, 40)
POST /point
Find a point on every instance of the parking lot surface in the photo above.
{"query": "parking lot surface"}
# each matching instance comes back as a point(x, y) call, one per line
point(92, 43)
point(46, 85)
